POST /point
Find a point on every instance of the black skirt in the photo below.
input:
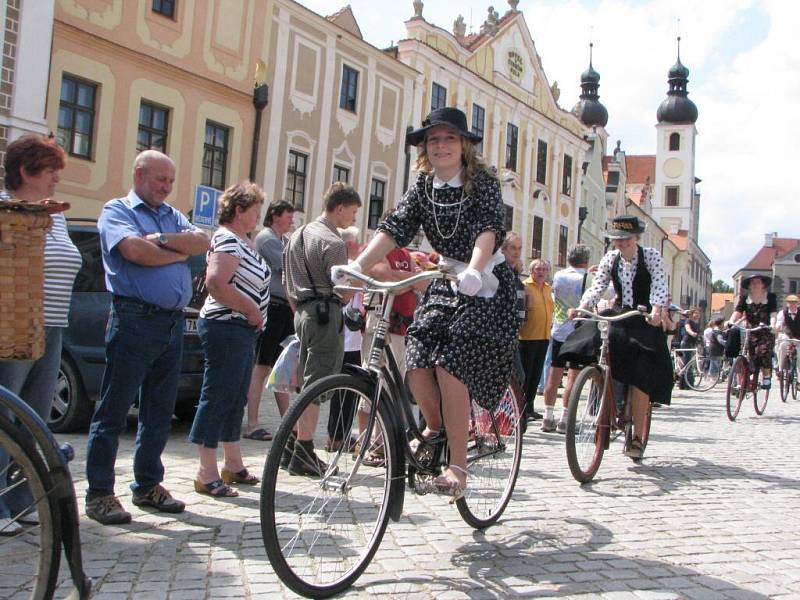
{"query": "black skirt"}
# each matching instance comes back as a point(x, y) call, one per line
point(639, 356)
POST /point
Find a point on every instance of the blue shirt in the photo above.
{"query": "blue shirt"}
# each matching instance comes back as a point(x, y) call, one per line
point(167, 286)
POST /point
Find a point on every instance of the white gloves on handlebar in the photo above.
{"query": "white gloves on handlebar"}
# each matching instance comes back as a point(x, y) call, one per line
point(469, 281)
point(339, 277)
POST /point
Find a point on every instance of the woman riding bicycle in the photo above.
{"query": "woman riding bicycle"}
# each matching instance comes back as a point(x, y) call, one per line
point(639, 356)
point(461, 343)
point(757, 306)
point(787, 324)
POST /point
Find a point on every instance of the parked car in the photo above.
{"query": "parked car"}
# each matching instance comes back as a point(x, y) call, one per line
point(83, 354)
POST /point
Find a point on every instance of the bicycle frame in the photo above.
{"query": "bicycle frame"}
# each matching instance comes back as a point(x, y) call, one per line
point(31, 424)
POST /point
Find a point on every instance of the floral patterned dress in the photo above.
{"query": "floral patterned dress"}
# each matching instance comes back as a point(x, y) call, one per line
point(472, 338)
point(760, 343)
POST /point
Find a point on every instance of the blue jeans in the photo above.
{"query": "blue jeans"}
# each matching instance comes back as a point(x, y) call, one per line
point(229, 347)
point(35, 382)
point(144, 346)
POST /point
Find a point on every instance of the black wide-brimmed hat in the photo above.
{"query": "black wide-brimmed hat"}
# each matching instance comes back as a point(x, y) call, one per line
point(766, 279)
point(452, 117)
point(625, 226)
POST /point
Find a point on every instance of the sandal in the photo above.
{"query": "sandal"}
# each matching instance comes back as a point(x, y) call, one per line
point(451, 487)
point(216, 488)
point(260, 435)
point(635, 450)
point(375, 457)
point(242, 476)
point(428, 435)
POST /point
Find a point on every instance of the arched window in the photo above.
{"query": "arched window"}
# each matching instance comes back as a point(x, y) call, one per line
point(674, 142)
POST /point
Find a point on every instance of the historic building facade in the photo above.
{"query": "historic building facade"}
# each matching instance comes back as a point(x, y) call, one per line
point(26, 28)
point(778, 258)
point(175, 76)
point(496, 77)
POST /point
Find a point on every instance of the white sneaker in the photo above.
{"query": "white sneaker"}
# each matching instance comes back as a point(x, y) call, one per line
point(29, 518)
point(561, 427)
point(9, 527)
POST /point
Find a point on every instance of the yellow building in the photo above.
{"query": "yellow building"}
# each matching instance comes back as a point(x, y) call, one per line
point(496, 77)
point(177, 77)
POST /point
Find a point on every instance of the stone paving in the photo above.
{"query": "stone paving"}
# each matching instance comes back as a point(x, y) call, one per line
point(712, 512)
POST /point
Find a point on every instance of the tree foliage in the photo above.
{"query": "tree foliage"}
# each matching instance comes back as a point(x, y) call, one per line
point(721, 286)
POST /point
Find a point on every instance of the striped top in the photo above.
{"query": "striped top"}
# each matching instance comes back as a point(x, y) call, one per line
point(251, 277)
point(62, 261)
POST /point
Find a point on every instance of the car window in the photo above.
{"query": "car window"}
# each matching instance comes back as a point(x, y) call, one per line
point(91, 277)
point(197, 265)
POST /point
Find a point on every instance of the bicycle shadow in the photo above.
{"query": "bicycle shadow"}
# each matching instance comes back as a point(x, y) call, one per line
point(537, 563)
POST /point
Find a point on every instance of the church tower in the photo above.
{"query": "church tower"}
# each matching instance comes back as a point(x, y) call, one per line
point(675, 200)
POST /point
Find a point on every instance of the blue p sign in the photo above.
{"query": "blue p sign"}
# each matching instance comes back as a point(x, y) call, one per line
point(204, 213)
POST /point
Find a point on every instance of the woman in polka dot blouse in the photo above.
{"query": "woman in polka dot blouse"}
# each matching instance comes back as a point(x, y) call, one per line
point(639, 355)
point(463, 338)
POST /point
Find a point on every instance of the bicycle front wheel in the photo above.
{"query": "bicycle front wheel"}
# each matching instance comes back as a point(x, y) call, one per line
point(698, 376)
point(321, 519)
point(737, 387)
point(760, 395)
point(584, 439)
point(783, 384)
point(793, 377)
point(29, 568)
point(494, 453)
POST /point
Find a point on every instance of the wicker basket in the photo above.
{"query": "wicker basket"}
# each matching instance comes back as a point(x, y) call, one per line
point(22, 230)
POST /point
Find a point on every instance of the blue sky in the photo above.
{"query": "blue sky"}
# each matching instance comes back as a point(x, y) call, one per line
point(744, 62)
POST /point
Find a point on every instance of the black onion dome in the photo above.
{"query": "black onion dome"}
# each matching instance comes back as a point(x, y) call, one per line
point(589, 109)
point(676, 107)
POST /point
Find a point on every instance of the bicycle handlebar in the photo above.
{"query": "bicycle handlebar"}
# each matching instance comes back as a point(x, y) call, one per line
point(789, 341)
point(590, 316)
point(373, 285)
point(751, 329)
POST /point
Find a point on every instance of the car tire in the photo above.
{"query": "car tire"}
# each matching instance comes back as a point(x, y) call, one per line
point(71, 408)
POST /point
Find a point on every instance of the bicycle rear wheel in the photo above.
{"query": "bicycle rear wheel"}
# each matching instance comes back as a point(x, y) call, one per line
point(29, 567)
point(697, 374)
point(320, 532)
point(584, 439)
point(737, 387)
point(494, 453)
point(760, 395)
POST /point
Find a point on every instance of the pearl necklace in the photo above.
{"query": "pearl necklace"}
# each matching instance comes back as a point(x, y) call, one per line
point(432, 199)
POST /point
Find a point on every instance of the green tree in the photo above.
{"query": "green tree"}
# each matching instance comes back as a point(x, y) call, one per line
point(721, 286)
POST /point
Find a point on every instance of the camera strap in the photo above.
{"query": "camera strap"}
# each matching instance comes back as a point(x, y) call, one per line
point(301, 241)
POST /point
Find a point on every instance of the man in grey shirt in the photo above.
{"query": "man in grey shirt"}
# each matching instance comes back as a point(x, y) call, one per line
point(270, 243)
point(312, 251)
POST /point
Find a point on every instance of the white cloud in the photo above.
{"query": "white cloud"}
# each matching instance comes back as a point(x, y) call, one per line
point(746, 93)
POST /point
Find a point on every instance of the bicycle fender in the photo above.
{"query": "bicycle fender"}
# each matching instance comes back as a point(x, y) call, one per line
point(397, 487)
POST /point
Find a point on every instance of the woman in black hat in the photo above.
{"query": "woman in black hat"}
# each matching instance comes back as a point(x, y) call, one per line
point(758, 306)
point(639, 356)
point(462, 341)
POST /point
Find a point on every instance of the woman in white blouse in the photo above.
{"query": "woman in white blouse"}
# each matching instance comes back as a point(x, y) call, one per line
point(639, 356)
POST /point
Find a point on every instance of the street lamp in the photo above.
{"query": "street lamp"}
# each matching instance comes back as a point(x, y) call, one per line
point(260, 101)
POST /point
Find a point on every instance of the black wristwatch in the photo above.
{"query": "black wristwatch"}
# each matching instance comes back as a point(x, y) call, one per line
point(162, 239)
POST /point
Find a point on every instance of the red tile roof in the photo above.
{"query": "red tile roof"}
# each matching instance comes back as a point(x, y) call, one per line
point(680, 239)
point(765, 256)
point(719, 299)
point(640, 169)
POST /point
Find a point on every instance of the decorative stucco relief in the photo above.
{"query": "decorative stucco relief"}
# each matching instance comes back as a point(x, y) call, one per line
point(108, 18)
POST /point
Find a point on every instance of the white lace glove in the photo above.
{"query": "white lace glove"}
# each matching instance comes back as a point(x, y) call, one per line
point(469, 281)
point(339, 277)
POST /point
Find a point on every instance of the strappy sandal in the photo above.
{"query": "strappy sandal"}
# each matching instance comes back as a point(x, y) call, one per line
point(375, 457)
point(635, 450)
point(451, 487)
point(415, 444)
point(243, 476)
point(216, 488)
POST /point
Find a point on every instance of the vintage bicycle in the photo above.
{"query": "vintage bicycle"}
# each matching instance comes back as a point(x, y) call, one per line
point(693, 369)
point(787, 372)
point(745, 379)
point(31, 558)
point(320, 533)
point(597, 413)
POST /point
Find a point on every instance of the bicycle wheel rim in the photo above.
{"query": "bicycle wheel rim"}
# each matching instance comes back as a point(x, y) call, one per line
point(494, 453)
point(698, 377)
point(31, 559)
point(318, 538)
point(737, 388)
point(584, 438)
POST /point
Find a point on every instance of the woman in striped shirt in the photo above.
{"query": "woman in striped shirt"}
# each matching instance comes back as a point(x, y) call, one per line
point(234, 313)
point(32, 168)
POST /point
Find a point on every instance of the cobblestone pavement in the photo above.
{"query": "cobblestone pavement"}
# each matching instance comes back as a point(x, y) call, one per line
point(712, 512)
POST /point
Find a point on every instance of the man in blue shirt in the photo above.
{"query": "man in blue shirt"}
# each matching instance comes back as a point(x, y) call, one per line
point(145, 244)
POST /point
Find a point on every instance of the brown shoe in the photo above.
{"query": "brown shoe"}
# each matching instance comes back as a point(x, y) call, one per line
point(305, 461)
point(107, 510)
point(160, 499)
point(242, 476)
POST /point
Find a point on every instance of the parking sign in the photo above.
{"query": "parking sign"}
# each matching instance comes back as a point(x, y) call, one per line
point(204, 213)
